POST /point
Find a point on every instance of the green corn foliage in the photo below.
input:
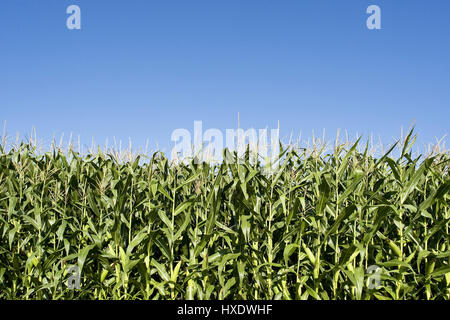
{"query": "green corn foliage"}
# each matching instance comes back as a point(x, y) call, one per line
point(155, 230)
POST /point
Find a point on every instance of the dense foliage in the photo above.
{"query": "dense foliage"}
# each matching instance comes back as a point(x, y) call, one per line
point(154, 230)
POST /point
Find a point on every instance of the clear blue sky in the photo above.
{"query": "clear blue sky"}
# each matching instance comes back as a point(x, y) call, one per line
point(142, 68)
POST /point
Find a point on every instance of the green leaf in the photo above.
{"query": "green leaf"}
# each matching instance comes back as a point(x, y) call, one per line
point(161, 270)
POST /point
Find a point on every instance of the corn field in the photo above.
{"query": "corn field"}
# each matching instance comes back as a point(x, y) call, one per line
point(152, 229)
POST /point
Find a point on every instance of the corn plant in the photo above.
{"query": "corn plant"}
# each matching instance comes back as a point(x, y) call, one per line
point(151, 229)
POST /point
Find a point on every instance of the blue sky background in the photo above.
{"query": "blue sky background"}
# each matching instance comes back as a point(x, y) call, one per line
point(142, 68)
